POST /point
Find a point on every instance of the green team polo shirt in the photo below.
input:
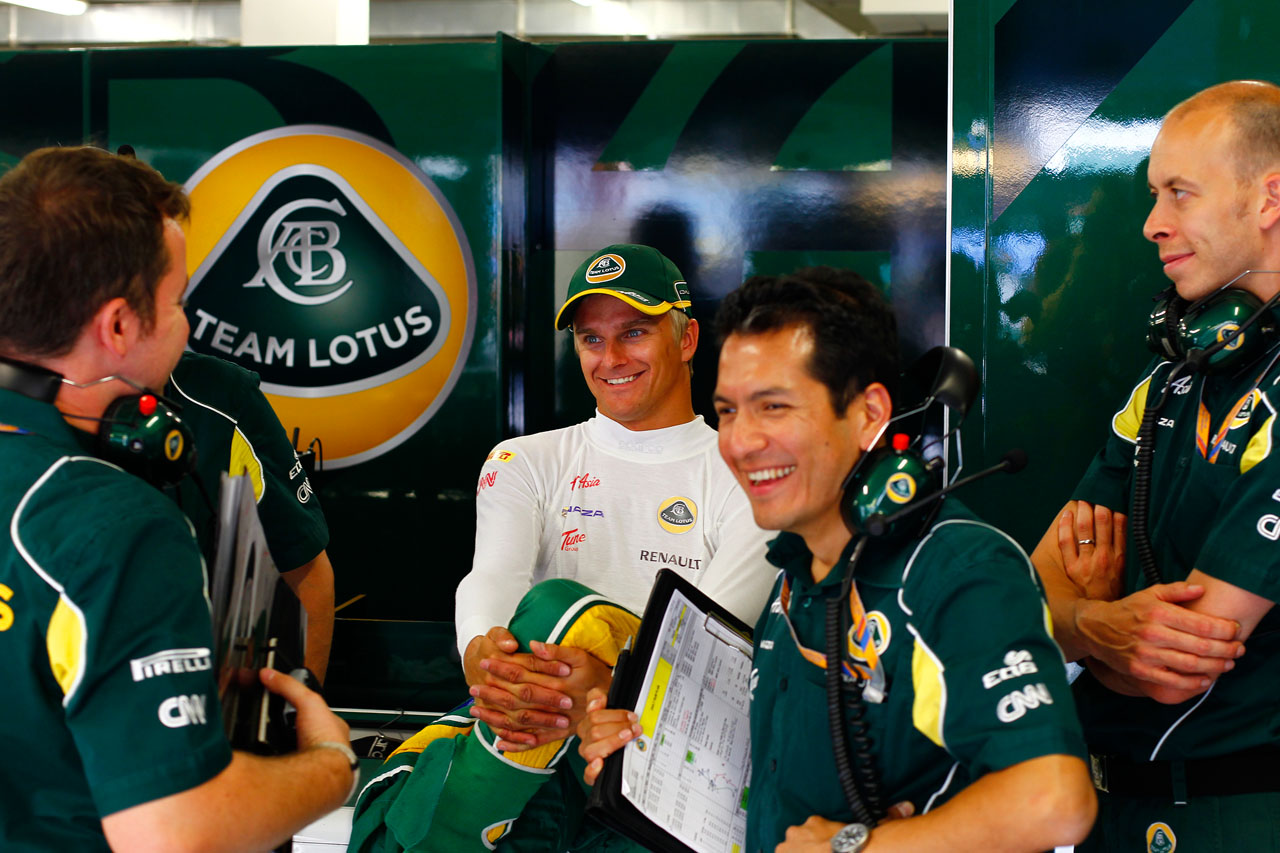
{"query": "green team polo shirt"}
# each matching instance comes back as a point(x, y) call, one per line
point(105, 640)
point(236, 430)
point(1217, 510)
point(974, 682)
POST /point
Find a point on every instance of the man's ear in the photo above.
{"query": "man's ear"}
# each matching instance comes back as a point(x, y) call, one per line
point(876, 409)
point(115, 327)
point(689, 341)
point(1269, 214)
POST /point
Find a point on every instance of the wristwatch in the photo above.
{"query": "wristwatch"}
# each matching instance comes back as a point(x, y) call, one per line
point(851, 838)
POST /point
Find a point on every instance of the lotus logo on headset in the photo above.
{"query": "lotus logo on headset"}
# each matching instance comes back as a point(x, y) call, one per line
point(1230, 324)
point(142, 433)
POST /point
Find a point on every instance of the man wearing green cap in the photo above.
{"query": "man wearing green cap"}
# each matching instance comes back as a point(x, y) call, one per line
point(608, 502)
point(572, 525)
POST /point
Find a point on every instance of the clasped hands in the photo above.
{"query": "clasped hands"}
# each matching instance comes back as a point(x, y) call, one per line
point(1148, 642)
point(530, 699)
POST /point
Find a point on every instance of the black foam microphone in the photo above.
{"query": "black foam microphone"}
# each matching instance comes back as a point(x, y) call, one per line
point(1013, 462)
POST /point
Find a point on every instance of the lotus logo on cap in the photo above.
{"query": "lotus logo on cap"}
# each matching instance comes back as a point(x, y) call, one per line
point(605, 268)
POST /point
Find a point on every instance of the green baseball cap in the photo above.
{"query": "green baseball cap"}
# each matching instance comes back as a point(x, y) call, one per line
point(640, 276)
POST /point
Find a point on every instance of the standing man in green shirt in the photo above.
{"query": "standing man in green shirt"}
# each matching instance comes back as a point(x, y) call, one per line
point(967, 720)
point(236, 430)
point(105, 635)
point(1180, 704)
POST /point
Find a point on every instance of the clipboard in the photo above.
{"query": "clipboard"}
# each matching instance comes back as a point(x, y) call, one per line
point(682, 785)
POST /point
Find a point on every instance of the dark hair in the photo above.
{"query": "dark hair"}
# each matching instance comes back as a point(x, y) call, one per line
point(78, 228)
point(855, 334)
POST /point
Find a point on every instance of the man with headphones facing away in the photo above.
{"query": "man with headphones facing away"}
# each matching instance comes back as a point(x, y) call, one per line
point(116, 738)
point(956, 706)
point(236, 430)
point(1172, 617)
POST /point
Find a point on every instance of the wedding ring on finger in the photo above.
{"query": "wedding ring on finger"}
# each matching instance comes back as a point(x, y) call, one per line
point(1084, 541)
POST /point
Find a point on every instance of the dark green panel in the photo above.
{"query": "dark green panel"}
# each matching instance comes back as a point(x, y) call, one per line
point(179, 144)
point(648, 134)
point(43, 102)
point(873, 266)
point(1051, 295)
point(849, 128)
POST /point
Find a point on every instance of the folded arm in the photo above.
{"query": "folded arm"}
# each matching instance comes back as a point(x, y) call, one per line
point(1168, 641)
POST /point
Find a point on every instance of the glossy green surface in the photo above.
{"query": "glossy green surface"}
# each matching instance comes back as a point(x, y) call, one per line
point(735, 158)
point(1055, 108)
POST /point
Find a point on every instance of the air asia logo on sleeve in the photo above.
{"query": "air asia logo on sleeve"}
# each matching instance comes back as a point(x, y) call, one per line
point(605, 268)
point(329, 264)
point(677, 515)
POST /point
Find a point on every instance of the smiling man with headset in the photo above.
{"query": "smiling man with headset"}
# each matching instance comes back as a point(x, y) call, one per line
point(955, 700)
point(111, 709)
point(1180, 718)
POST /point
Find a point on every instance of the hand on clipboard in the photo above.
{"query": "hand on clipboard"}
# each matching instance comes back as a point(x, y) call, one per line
point(691, 661)
point(605, 730)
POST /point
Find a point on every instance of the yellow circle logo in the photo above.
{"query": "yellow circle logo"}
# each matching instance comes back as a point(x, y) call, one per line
point(173, 445)
point(881, 631)
point(1160, 839)
point(677, 515)
point(900, 487)
point(330, 265)
point(605, 268)
point(1226, 329)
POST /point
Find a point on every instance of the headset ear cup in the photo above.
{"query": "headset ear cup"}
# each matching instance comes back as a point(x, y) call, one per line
point(1205, 327)
point(884, 482)
point(1163, 336)
point(855, 507)
point(158, 446)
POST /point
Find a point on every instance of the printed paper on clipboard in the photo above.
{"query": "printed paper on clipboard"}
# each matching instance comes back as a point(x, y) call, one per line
point(683, 783)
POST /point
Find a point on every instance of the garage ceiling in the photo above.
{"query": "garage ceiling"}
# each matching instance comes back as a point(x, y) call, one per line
point(217, 22)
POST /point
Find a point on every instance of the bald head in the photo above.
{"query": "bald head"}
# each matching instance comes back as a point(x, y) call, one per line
point(1252, 108)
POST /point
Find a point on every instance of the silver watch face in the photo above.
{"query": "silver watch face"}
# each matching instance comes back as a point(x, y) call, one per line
point(851, 838)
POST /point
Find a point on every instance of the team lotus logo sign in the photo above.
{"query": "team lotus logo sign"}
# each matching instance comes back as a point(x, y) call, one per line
point(330, 265)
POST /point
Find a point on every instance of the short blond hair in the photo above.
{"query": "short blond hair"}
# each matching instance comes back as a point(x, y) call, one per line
point(1253, 108)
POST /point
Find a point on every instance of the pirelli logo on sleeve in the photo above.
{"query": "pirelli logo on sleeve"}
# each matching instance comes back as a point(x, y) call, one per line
point(170, 662)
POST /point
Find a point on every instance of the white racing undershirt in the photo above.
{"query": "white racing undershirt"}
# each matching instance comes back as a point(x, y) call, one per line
point(584, 503)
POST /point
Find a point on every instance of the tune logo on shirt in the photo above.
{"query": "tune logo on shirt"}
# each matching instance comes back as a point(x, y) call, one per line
point(677, 515)
point(571, 539)
point(331, 265)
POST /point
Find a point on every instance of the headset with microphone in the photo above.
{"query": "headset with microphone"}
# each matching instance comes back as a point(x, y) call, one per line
point(886, 487)
point(889, 484)
point(1213, 334)
point(143, 433)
